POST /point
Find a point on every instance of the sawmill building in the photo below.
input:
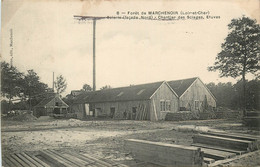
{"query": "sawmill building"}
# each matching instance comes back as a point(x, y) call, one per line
point(150, 101)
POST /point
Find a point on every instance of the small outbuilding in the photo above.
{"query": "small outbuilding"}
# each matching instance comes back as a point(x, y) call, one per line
point(51, 106)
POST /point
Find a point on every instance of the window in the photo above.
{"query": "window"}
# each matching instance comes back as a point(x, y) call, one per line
point(165, 105)
point(168, 105)
point(162, 105)
point(196, 104)
point(56, 103)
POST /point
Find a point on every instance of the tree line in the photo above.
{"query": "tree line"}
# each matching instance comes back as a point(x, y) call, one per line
point(25, 88)
point(231, 96)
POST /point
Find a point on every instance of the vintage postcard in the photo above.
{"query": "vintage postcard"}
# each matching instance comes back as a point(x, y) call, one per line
point(130, 83)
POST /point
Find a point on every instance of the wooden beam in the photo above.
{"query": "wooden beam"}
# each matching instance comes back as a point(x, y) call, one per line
point(80, 156)
point(218, 148)
point(21, 162)
point(229, 143)
point(53, 159)
point(24, 159)
point(8, 162)
point(208, 160)
point(32, 160)
point(233, 136)
point(216, 154)
point(165, 154)
point(39, 161)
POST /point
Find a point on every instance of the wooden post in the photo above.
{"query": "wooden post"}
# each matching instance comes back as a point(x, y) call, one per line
point(94, 56)
point(53, 81)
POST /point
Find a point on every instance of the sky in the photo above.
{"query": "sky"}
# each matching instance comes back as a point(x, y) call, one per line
point(47, 38)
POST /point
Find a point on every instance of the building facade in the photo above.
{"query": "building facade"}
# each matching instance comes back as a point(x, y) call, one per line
point(145, 102)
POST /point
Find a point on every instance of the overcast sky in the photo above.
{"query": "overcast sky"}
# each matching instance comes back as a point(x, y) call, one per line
point(47, 39)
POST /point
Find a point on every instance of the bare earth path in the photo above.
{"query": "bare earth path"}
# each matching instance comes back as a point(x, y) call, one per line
point(106, 138)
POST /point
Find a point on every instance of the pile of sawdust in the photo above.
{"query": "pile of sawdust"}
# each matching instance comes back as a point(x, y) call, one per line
point(24, 117)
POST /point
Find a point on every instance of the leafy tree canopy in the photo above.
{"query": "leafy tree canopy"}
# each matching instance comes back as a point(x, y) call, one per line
point(87, 88)
point(241, 50)
point(11, 81)
point(32, 84)
point(60, 84)
point(106, 87)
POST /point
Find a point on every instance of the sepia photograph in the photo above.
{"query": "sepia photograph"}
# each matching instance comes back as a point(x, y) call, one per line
point(130, 83)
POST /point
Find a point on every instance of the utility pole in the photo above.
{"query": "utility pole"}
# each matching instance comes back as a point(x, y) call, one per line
point(94, 54)
point(94, 18)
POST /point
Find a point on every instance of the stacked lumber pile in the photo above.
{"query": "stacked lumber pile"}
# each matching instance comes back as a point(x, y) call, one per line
point(141, 113)
point(189, 115)
point(50, 158)
point(165, 154)
point(229, 114)
point(252, 119)
point(220, 146)
point(180, 116)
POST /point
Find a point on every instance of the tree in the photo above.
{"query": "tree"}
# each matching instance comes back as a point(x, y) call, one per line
point(32, 84)
point(87, 88)
point(11, 82)
point(33, 87)
point(60, 84)
point(240, 52)
point(225, 94)
point(106, 87)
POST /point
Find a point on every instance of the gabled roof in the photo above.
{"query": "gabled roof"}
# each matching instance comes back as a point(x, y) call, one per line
point(180, 86)
point(130, 93)
point(50, 101)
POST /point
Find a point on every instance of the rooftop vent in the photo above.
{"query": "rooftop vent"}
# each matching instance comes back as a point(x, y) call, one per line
point(140, 92)
point(120, 94)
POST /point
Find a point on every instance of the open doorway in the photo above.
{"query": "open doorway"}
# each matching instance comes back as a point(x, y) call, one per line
point(112, 112)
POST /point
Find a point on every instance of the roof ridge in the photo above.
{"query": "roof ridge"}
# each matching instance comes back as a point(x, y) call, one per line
point(127, 86)
point(183, 79)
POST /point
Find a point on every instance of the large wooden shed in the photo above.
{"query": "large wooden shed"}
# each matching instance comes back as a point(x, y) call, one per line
point(140, 102)
point(193, 94)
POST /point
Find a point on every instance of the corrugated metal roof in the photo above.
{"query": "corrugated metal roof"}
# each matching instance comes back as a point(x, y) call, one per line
point(130, 93)
point(180, 86)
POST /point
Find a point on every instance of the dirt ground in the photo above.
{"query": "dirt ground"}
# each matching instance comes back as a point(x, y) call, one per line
point(106, 138)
